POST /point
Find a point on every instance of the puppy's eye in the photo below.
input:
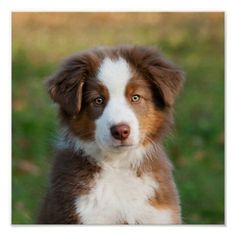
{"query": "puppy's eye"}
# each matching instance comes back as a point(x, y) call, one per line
point(135, 98)
point(99, 100)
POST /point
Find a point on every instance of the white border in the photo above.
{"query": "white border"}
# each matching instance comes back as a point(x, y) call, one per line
point(7, 6)
point(5, 124)
point(112, 5)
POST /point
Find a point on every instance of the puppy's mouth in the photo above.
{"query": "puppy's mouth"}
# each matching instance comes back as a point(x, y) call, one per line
point(123, 147)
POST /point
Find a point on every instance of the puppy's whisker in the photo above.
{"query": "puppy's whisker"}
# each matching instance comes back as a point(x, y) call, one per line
point(153, 149)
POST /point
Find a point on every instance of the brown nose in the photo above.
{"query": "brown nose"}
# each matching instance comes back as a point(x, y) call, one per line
point(120, 131)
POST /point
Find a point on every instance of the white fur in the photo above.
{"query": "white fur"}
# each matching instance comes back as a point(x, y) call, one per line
point(115, 76)
point(120, 196)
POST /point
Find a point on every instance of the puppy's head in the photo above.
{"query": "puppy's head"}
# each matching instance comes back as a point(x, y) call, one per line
point(119, 98)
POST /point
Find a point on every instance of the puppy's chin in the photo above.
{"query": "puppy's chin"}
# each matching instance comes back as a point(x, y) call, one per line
point(116, 147)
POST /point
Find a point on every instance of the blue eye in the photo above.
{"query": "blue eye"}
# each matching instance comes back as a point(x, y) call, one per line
point(135, 98)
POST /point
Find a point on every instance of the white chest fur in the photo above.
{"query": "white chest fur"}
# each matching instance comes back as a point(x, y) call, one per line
point(120, 196)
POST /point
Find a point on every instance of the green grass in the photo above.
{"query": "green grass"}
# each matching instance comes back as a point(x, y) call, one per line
point(196, 146)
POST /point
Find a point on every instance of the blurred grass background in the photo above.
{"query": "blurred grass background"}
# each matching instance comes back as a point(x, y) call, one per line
point(195, 41)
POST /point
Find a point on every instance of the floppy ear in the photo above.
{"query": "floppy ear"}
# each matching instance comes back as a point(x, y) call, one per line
point(66, 85)
point(167, 78)
point(164, 75)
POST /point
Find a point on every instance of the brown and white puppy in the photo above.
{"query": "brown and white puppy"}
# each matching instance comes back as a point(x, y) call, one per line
point(115, 104)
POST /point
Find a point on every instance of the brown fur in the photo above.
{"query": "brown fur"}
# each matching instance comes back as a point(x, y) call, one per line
point(74, 87)
point(166, 197)
point(72, 175)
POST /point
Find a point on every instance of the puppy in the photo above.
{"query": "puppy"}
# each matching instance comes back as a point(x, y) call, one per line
point(115, 105)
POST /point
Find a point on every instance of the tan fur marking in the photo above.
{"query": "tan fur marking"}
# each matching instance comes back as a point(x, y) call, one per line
point(153, 122)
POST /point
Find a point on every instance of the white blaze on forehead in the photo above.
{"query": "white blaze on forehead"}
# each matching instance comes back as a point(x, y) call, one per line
point(114, 74)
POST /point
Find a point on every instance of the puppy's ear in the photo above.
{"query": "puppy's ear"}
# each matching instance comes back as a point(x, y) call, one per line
point(167, 77)
point(164, 75)
point(66, 85)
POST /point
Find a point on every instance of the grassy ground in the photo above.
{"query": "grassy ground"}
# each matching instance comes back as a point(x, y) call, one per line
point(196, 146)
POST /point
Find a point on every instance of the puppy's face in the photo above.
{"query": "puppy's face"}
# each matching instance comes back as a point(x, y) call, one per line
point(119, 97)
